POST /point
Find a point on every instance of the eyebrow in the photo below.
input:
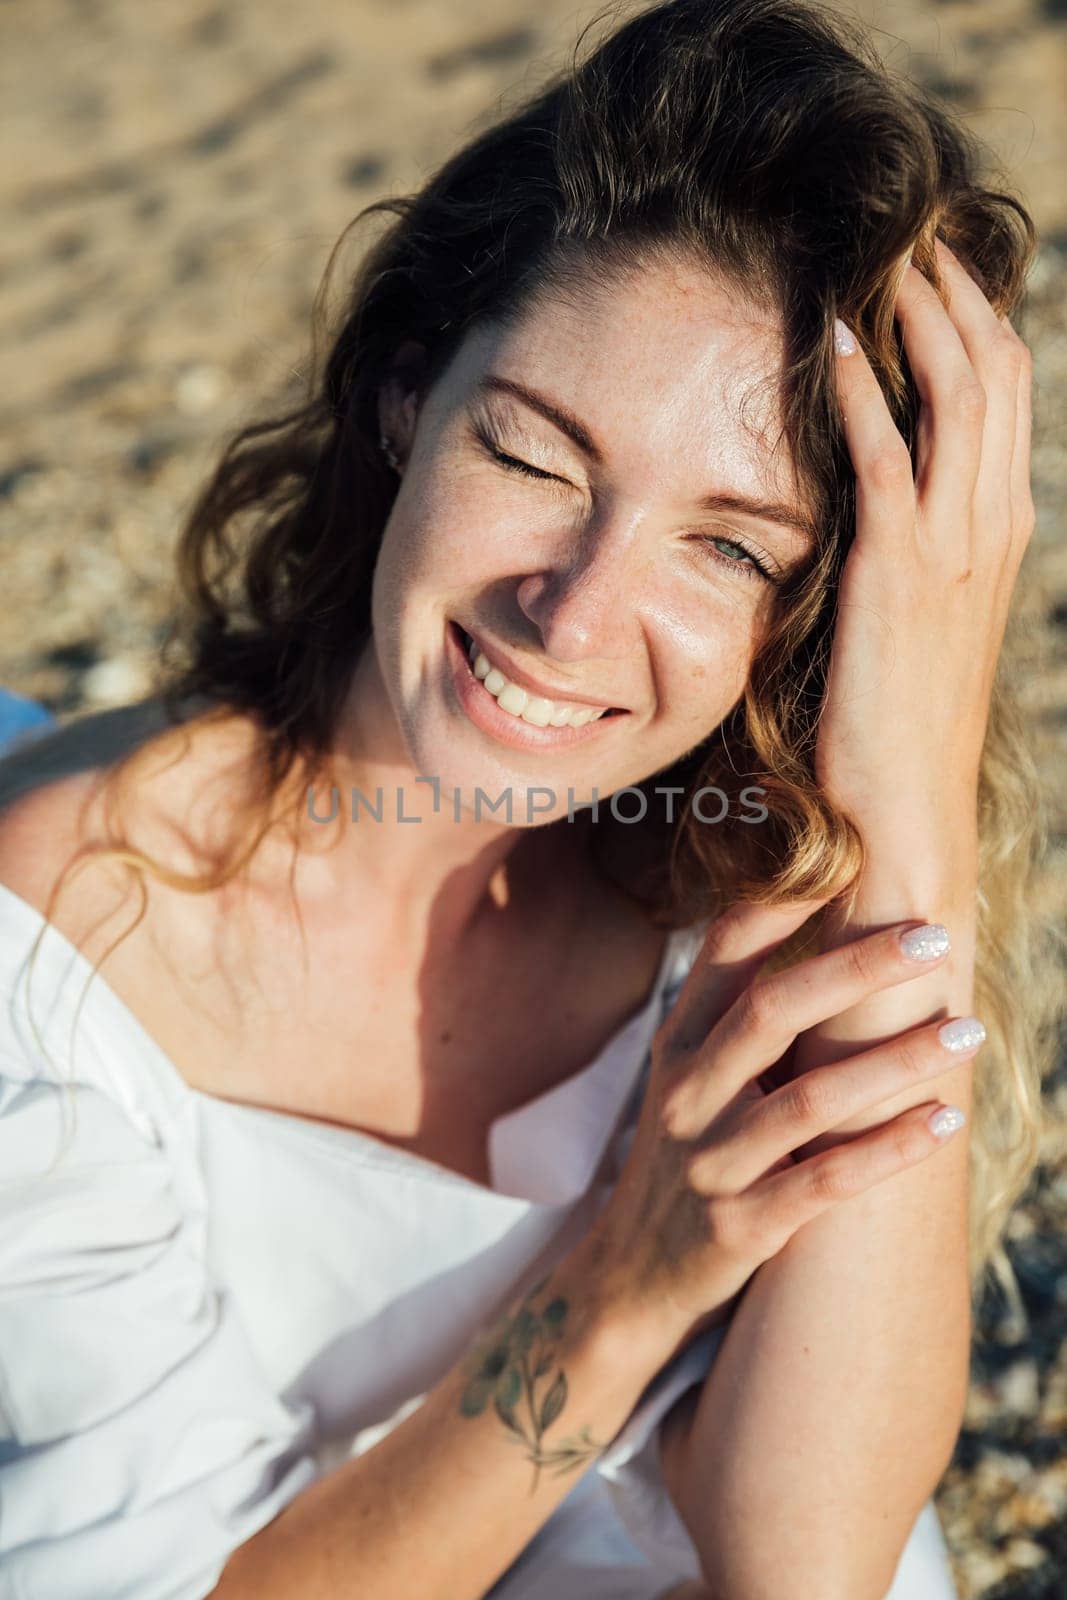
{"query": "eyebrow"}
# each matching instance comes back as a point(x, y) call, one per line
point(770, 510)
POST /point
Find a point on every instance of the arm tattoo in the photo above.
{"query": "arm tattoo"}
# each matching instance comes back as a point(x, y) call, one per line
point(506, 1366)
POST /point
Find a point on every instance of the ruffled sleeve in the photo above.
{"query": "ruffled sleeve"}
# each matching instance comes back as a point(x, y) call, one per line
point(140, 1443)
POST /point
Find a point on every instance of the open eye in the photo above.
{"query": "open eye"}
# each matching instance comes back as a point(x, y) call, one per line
point(750, 565)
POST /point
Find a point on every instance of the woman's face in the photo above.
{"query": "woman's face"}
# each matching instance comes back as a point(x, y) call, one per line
point(627, 568)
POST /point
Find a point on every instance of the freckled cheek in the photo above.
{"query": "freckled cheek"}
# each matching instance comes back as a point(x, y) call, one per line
point(458, 537)
point(710, 667)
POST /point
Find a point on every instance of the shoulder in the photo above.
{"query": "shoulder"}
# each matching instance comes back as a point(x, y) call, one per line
point(56, 802)
point(40, 831)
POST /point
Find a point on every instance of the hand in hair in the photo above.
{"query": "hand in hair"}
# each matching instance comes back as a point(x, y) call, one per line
point(928, 581)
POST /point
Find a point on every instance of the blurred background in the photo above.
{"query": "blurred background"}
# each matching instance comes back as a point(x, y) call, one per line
point(176, 176)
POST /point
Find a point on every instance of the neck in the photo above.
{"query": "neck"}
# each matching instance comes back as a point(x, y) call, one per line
point(377, 835)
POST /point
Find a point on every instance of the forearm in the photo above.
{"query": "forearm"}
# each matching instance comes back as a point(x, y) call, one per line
point(835, 1399)
point(444, 1503)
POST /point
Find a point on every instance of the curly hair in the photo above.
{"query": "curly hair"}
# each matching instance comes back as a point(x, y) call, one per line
point(766, 141)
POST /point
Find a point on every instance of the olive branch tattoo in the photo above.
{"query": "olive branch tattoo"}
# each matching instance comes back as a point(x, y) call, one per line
point(506, 1367)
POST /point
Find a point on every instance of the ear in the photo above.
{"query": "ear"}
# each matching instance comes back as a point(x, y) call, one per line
point(400, 397)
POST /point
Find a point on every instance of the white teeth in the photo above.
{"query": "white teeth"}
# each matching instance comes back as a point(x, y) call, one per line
point(537, 710)
point(512, 698)
point(527, 707)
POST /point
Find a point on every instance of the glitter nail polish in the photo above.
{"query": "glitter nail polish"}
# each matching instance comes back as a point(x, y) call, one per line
point(925, 943)
point(962, 1033)
point(844, 343)
point(945, 1121)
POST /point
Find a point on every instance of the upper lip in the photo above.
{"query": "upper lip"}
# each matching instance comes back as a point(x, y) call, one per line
point(503, 661)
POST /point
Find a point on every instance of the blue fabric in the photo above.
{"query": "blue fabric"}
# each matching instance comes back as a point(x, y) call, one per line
point(21, 720)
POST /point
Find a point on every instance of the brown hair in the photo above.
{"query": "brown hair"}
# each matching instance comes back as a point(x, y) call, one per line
point(766, 140)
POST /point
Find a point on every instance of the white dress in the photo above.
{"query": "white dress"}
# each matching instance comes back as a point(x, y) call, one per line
point(204, 1305)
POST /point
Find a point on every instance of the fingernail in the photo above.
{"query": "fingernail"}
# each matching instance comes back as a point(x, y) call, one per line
point(962, 1033)
point(844, 343)
point(945, 1121)
point(925, 943)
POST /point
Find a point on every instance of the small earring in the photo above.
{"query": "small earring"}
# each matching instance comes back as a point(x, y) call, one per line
point(390, 454)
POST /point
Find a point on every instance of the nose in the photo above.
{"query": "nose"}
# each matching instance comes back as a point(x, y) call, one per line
point(584, 607)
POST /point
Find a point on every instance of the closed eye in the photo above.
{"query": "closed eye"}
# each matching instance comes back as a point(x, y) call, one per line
point(485, 437)
point(513, 464)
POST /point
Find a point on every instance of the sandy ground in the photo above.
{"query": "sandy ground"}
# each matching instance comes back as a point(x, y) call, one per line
point(177, 173)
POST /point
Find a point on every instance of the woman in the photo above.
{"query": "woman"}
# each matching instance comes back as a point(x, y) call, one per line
point(346, 1277)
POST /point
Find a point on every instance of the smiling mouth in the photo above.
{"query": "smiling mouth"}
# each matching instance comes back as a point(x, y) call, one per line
point(528, 704)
